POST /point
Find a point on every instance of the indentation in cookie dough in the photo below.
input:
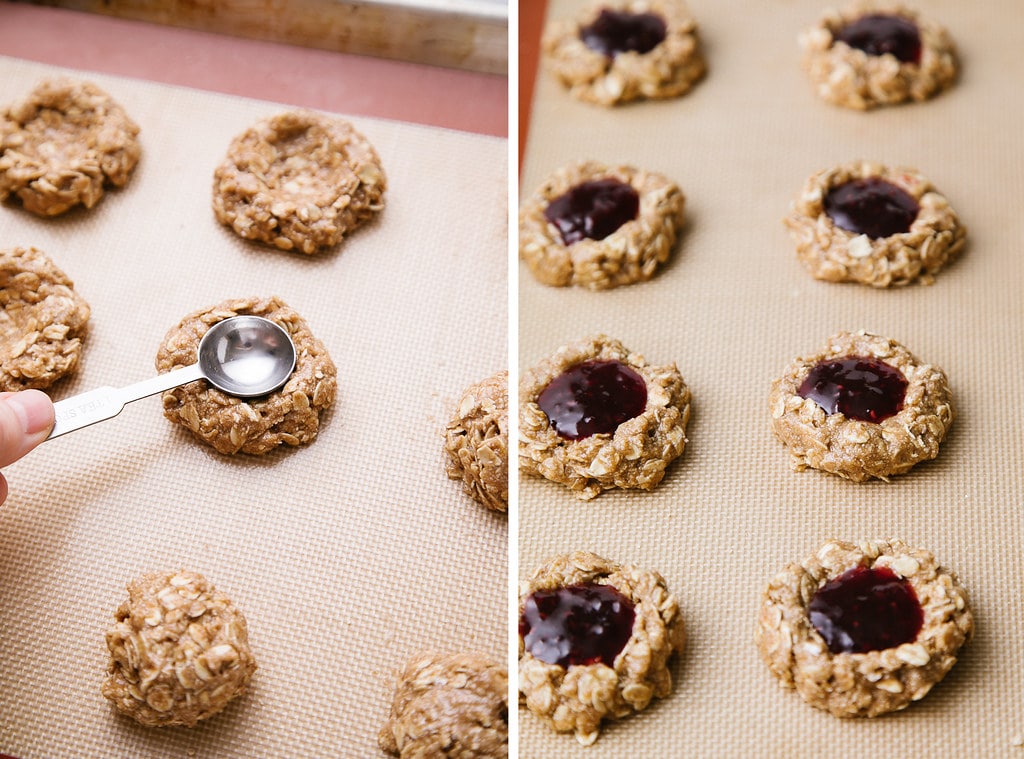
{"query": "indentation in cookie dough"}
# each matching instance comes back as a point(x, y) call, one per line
point(634, 455)
point(606, 249)
point(288, 416)
point(849, 70)
point(853, 445)
point(576, 697)
point(875, 681)
point(63, 144)
point(873, 253)
point(299, 181)
point(618, 51)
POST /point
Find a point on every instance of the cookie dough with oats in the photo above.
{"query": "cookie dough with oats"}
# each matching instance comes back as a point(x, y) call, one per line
point(453, 705)
point(476, 442)
point(630, 253)
point(42, 322)
point(299, 181)
point(63, 144)
point(857, 448)
point(834, 254)
point(619, 51)
point(867, 683)
point(635, 453)
point(179, 652)
point(846, 74)
point(288, 416)
point(577, 697)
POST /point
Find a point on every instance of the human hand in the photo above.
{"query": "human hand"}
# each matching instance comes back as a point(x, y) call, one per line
point(26, 418)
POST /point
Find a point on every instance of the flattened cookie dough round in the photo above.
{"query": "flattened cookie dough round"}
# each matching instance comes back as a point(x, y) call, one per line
point(453, 705)
point(863, 629)
point(179, 652)
point(476, 442)
point(862, 407)
point(42, 322)
point(288, 416)
point(61, 145)
point(600, 646)
point(877, 54)
point(598, 226)
point(298, 181)
point(617, 51)
point(865, 222)
point(595, 416)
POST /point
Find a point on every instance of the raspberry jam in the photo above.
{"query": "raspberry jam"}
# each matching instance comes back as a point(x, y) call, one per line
point(593, 210)
point(871, 207)
point(577, 624)
point(880, 33)
point(592, 398)
point(616, 32)
point(860, 388)
point(866, 610)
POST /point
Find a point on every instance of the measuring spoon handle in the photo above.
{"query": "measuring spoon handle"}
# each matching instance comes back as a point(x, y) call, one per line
point(105, 403)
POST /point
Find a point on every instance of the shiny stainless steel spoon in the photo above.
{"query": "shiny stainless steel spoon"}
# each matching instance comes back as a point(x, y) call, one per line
point(244, 356)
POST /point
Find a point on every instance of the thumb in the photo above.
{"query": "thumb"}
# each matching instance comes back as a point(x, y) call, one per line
point(26, 418)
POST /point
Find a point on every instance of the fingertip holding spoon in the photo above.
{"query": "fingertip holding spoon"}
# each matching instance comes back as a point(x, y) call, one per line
point(244, 356)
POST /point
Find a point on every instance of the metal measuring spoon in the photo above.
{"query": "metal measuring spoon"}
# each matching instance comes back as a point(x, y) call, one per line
point(244, 356)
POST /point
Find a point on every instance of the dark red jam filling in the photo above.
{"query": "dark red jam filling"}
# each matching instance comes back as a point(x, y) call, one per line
point(593, 210)
point(871, 207)
point(879, 33)
point(616, 32)
point(866, 610)
point(593, 397)
point(577, 624)
point(860, 388)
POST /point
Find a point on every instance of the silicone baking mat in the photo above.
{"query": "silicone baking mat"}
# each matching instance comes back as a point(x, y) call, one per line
point(732, 309)
point(346, 555)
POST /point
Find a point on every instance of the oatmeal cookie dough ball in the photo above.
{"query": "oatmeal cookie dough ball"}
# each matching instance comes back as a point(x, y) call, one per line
point(42, 322)
point(861, 407)
point(288, 416)
point(599, 226)
point(868, 223)
point(876, 54)
point(298, 181)
point(61, 145)
point(863, 629)
point(594, 641)
point(595, 416)
point(452, 705)
point(476, 442)
point(617, 51)
point(179, 651)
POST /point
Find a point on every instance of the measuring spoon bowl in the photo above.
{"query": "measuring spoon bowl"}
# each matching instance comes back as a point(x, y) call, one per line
point(244, 356)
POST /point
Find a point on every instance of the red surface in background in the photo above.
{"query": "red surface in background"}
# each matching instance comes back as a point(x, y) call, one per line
point(531, 24)
point(350, 84)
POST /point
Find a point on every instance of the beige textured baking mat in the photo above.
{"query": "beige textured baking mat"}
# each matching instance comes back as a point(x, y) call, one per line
point(732, 309)
point(347, 555)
